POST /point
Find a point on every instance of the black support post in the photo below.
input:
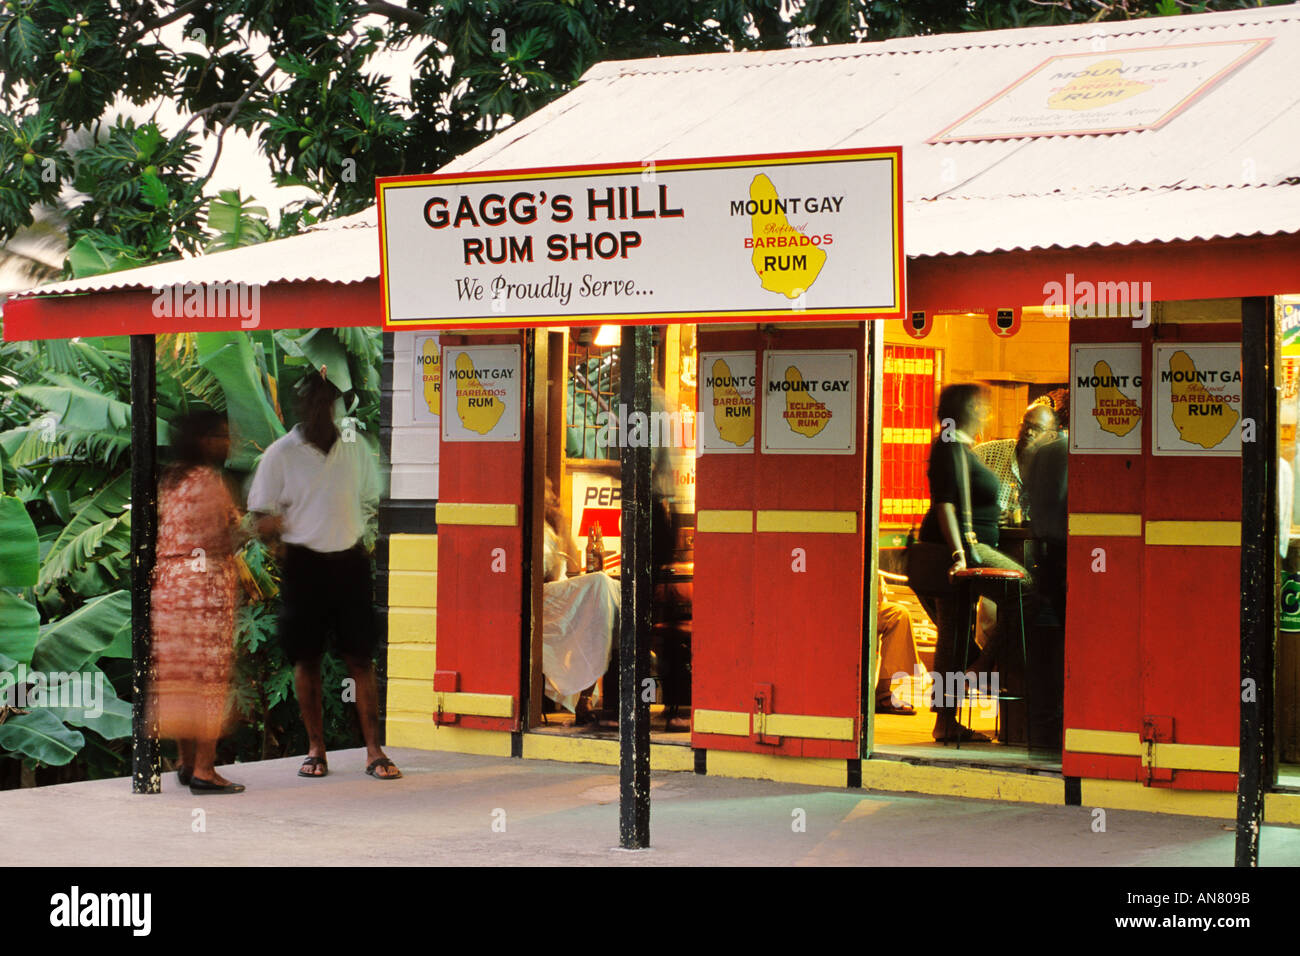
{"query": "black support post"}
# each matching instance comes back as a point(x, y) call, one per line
point(146, 770)
point(634, 625)
point(1259, 570)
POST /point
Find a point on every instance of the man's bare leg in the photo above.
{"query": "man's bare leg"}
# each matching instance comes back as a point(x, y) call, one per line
point(363, 674)
point(307, 683)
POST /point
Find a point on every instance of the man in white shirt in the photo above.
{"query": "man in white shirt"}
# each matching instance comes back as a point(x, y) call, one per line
point(311, 489)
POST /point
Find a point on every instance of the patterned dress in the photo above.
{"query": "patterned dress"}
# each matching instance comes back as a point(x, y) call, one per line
point(194, 594)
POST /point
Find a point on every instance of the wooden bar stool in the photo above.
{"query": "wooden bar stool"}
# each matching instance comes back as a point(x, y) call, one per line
point(965, 580)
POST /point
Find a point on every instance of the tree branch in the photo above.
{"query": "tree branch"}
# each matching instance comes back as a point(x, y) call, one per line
point(392, 11)
point(162, 21)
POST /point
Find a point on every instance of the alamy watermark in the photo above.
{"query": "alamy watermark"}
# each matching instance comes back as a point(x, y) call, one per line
point(210, 300)
point(1086, 299)
point(659, 429)
point(25, 689)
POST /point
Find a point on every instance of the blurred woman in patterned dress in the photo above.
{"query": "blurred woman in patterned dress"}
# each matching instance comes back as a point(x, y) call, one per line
point(195, 583)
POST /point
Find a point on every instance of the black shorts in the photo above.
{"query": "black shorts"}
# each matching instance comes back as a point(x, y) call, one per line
point(323, 594)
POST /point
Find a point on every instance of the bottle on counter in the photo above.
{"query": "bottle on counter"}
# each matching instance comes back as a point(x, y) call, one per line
point(595, 549)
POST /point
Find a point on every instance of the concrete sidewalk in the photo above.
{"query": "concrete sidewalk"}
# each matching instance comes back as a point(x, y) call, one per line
point(444, 810)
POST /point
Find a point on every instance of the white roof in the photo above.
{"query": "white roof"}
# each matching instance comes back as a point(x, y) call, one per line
point(1228, 165)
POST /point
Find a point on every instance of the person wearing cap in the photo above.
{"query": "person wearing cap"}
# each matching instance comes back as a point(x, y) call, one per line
point(312, 490)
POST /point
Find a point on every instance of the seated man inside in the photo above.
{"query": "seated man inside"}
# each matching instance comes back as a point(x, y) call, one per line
point(896, 653)
point(1006, 457)
point(579, 619)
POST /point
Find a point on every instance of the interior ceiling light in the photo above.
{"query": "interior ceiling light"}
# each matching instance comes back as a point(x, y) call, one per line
point(608, 335)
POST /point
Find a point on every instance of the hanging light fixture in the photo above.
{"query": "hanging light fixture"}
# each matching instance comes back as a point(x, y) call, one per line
point(608, 335)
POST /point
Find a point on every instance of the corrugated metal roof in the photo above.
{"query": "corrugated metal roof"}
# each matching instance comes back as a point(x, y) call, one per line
point(1227, 166)
point(341, 250)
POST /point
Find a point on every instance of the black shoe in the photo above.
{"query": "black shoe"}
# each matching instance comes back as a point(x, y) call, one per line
point(198, 785)
point(184, 774)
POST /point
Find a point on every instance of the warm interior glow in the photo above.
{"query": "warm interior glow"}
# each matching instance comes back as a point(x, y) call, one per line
point(608, 335)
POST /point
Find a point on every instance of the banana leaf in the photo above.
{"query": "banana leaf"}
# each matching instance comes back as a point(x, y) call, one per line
point(73, 642)
point(98, 528)
point(253, 422)
point(120, 645)
point(77, 405)
point(41, 736)
point(114, 720)
point(19, 547)
point(323, 348)
point(19, 627)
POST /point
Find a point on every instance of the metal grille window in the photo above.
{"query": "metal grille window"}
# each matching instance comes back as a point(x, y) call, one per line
point(592, 388)
point(907, 428)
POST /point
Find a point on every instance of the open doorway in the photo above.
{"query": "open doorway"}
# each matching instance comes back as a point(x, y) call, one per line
point(582, 589)
point(1025, 376)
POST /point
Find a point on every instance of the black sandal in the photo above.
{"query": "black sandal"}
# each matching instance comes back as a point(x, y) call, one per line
point(199, 785)
point(383, 762)
point(184, 775)
point(313, 762)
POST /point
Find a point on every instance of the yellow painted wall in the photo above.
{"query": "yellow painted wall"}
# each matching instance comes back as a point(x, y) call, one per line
point(412, 638)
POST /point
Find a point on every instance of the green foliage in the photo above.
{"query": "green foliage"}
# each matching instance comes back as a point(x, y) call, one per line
point(64, 434)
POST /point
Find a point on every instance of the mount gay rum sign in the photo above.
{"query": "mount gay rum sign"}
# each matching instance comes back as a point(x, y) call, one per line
point(1104, 91)
point(789, 237)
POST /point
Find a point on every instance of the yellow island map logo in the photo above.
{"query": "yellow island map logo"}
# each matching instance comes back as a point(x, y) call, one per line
point(785, 259)
point(733, 413)
point(805, 415)
point(1202, 417)
point(1114, 411)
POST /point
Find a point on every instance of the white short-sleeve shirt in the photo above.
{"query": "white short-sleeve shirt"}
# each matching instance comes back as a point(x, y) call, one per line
point(322, 498)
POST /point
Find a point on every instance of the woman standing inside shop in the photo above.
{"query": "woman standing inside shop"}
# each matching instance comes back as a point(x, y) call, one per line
point(963, 519)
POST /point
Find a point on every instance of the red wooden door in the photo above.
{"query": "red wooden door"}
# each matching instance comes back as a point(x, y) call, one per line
point(480, 532)
point(1153, 621)
point(779, 570)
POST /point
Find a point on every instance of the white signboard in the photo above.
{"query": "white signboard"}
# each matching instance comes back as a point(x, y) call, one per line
point(1103, 91)
point(426, 380)
point(800, 236)
point(728, 386)
point(810, 402)
point(1106, 399)
point(481, 392)
point(1197, 399)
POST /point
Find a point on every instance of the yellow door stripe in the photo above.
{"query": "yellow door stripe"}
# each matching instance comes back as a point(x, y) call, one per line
point(814, 771)
point(738, 724)
point(413, 589)
point(1119, 742)
point(1222, 534)
point(1113, 525)
point(474, 705)
point(1165, 756)
point(724, 522)
point(455, 513)
point(808, 726)
point(730, 722)
point(808, 522)
point(413, 552)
